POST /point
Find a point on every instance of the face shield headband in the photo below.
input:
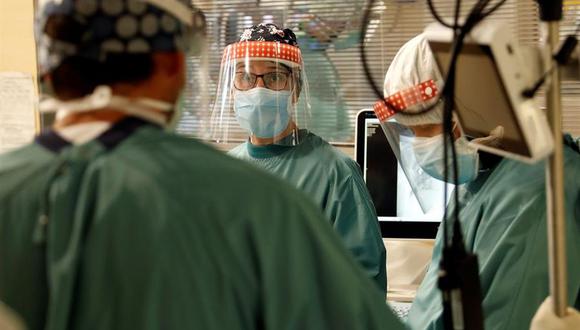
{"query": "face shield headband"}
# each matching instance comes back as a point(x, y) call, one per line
point(406, 100)
point(265, 51)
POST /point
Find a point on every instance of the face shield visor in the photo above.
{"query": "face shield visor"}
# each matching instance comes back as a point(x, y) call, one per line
point(262, 93)
point(415, 139)
point(412, 119)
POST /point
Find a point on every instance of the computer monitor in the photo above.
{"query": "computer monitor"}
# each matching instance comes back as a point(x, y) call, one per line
point(398, 210)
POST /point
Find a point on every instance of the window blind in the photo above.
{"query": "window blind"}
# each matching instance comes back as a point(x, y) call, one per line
point(328, 34)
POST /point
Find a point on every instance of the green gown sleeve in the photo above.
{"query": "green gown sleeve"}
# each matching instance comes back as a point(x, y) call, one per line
point(354, 218)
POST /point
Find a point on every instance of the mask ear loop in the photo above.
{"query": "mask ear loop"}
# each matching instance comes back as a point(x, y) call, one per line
point(102, 98)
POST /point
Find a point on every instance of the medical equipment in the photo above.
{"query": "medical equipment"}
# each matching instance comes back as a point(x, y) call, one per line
point(501, 87)
point(492, 74)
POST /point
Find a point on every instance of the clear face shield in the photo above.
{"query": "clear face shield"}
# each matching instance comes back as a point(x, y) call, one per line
point(416, 141)
point(262, 94)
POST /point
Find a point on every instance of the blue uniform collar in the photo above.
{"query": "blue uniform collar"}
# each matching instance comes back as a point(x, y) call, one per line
point(278, 148)
point(109, 139)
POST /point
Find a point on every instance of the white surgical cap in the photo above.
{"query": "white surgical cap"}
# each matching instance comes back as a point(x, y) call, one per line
point(414, 64)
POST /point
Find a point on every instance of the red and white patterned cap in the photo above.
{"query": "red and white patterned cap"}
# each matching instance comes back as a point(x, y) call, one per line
point(263, 50)
point(268, 42)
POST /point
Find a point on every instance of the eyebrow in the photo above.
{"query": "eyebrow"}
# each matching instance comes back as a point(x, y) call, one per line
point(277, 67)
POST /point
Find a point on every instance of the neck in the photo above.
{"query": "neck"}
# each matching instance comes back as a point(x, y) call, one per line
point(258, 141)
point(103, 115)
point(113, 113)
point(106, 115)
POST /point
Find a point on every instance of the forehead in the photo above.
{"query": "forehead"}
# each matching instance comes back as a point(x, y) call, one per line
point(260, 66)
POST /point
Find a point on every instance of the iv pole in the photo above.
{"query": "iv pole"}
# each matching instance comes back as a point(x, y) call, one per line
point(551, 14)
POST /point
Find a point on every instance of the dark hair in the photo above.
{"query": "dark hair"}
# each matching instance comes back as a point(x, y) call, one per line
point(77, 76)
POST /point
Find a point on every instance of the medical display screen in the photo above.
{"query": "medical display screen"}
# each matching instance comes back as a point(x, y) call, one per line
point(399, 212)
point(481, 101)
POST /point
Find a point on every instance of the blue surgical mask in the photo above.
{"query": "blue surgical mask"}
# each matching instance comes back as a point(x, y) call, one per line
point(262, 111)
point(429, 155)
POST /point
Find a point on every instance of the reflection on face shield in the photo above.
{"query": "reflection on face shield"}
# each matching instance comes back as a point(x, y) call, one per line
point(429, 154)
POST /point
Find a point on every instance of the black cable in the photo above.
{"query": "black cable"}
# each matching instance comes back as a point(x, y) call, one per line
point(449, 137)
point(530, 92)
point(366, 68)
point(367, 72)
point(493, 9)
point(447, 129)
point(474, 17)
point(437, 17)
point(363, 55)
point(446, 138)
point(478, 7)
point(459, 269)
point(562, 57)
point(456, 18)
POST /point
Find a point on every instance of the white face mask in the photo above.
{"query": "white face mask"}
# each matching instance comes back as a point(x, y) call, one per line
point(429, 155)
point(263, 112)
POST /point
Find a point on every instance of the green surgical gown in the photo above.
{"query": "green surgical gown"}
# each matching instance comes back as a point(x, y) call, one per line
point(142, 229)
point(504, 223)
point(334, 182)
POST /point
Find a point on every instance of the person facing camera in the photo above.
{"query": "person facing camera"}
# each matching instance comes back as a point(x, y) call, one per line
point(264, 83)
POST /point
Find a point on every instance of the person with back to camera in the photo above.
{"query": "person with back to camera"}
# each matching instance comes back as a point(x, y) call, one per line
point(107, 221)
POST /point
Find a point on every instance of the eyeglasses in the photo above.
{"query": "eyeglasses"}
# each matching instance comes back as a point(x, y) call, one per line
point(276, 81)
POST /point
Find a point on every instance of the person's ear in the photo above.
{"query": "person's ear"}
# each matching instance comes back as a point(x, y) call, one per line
point(169, 64)
point(296, 87)
point(456, 131)
point(295, 94)
point(169, 75)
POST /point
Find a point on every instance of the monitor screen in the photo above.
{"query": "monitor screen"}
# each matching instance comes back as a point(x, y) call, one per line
point(398, 210)
point(478, 89)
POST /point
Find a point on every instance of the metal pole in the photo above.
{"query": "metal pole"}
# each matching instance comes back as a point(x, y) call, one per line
point(555, 185)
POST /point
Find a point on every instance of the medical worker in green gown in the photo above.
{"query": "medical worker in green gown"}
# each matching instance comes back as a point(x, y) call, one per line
point(503, 202)
point(107, 221)
point(260, 92)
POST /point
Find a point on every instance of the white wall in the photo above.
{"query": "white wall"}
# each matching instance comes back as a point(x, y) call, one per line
point(17, 49)
point(17, 46)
